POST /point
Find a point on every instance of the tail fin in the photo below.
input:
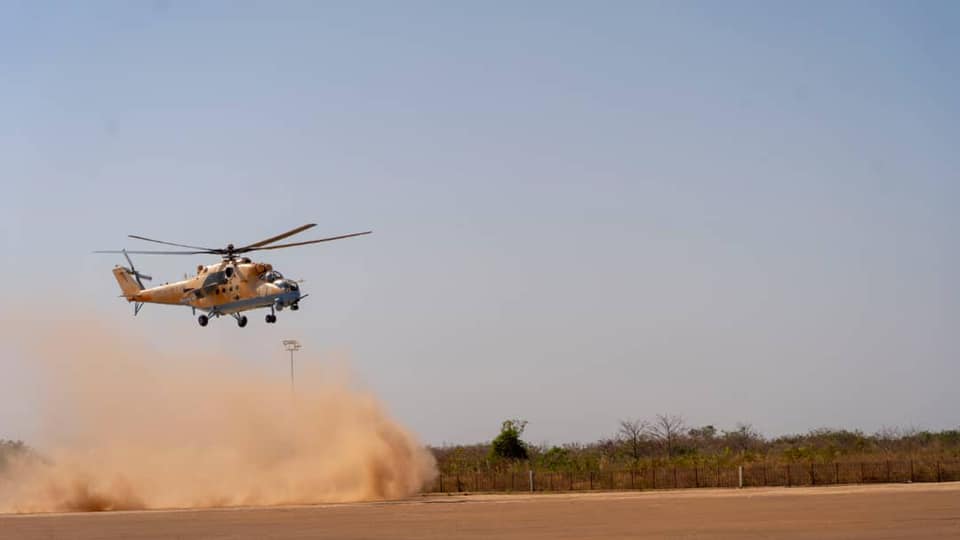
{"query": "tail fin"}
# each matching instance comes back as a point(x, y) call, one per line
point(128, 285)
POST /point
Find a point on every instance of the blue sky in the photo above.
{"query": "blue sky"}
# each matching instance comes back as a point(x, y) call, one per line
point(583, 211)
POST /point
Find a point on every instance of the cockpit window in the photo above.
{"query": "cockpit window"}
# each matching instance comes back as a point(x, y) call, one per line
point(273, 275)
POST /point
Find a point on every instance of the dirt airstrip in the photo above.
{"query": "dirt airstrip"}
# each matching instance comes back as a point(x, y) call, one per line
point(890, 511)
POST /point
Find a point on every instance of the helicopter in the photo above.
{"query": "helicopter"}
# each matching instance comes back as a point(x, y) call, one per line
point(230, 287)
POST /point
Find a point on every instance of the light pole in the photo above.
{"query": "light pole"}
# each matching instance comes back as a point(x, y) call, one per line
point(291, 345)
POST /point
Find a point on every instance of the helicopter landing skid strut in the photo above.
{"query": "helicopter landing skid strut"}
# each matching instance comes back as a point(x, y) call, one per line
point(241, 319)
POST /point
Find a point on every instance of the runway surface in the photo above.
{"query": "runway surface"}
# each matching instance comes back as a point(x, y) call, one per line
point(888, 511)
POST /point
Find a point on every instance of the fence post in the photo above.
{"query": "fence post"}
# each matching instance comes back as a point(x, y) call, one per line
point(459, 486)
point(836, 473)
point(441, 483)
point(813, 475)
point(740, 476)
point(912, 477)
point(654, 470)
point(676, 484)
point(939, 476)
point(513, 481)
point(591, 480)
point(633, 482)
point(788, 475)
point(764, 474)
point(861, 472)
point(888, 471)
point(530, 473)
point(718, 473)
point(696, 475)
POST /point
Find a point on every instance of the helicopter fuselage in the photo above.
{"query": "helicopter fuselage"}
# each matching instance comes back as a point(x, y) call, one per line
point(224, 288)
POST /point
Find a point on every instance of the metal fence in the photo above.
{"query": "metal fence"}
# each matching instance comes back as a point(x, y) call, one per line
point(677, 477)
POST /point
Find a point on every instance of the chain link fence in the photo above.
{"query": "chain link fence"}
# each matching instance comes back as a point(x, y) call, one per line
point(679, 477)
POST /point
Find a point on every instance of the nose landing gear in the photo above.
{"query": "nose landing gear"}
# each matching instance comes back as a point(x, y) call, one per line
point(203, 320)
point(271, 318)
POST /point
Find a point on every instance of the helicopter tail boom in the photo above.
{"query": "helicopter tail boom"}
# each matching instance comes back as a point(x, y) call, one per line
point(128, 285)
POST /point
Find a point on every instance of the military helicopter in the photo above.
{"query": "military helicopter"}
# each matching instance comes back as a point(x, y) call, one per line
point(229, 287)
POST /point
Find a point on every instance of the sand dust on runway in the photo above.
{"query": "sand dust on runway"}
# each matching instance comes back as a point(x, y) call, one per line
point(125, 426)
point(889, 511)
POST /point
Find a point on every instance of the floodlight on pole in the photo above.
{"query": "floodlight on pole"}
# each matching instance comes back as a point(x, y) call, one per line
point(291, 345)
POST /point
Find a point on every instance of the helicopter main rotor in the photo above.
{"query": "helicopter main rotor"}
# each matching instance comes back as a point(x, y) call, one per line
point(230, 251)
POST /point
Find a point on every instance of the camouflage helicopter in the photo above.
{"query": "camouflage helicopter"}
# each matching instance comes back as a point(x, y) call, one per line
point(229, 287)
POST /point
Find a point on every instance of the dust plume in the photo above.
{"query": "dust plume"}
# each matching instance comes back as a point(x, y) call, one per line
point(129, 428)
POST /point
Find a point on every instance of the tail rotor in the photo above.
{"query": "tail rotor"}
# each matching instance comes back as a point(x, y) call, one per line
point(139, 277)
point(133, 271)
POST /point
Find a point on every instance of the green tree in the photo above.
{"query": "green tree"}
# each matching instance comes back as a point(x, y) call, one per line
point(556, 459)
point(507, 445)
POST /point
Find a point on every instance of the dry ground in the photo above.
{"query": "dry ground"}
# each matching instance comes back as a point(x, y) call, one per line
point(890, 511)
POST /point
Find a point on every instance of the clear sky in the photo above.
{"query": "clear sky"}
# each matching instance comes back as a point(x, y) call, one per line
point(583, 211)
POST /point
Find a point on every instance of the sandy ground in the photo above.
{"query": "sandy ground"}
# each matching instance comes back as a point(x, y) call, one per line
point(890, 511)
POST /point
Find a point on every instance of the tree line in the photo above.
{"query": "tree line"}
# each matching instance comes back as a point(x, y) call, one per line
point(667, 439)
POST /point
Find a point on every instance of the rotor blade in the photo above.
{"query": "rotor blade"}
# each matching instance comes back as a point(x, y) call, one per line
point(129, 260)
point(153, 252)
point(279, 246)
point(273, 239)
point(168, 243)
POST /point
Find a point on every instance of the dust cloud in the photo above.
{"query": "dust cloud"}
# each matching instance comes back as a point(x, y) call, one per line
point(126, 427)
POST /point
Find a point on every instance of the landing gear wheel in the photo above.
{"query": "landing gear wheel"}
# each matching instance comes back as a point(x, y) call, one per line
point(203, 320)
point(295, 307)
point(242, 321)
point(271, 318)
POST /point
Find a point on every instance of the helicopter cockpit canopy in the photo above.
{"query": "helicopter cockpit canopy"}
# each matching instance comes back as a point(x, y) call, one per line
point(277, 279)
